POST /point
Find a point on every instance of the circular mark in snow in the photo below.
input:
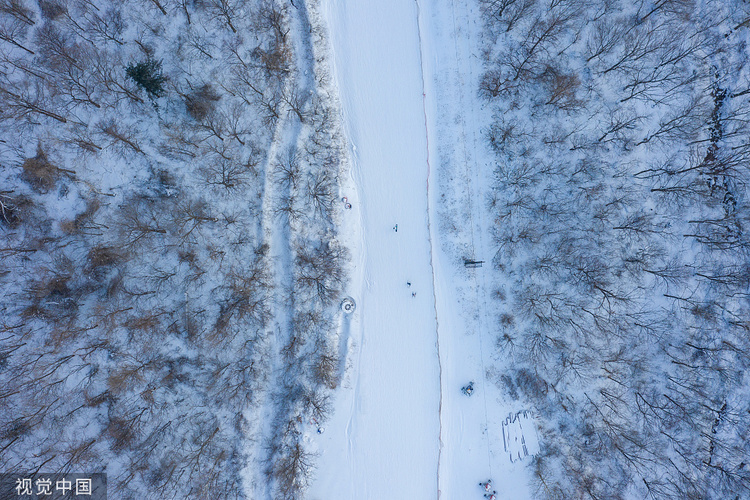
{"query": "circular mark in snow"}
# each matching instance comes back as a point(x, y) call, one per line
point(348, 305)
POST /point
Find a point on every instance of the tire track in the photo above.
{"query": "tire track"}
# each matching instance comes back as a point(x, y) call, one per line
point(431, 239)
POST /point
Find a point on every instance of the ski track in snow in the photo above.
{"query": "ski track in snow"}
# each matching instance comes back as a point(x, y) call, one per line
point(431, 240)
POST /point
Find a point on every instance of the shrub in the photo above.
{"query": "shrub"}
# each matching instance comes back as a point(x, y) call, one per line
point(201, 102)
point(507, 320)
point(39, 172)
point(82, 220)
point(51, 9)
point(9, 211)
point(147, 74)
point(101, 259)
point(121, 432)
point(55, 287)
point(531, 384)
point(52, 300)
point(561, 88)
point(326, 371)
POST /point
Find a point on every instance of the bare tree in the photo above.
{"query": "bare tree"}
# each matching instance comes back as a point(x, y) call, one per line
point(14, 32)
point(619, 123)
point(19, 10)
point(191, 215)
point(287, 170)
point(684, 123)
point(107, 27)
point(224, 168)
point(32, 97)
point(138, 222)
point(104, 68)
point(297, 102)
point(639, 43)
point(507, 12)
point(257, 95)
point(58, 49)
point(292, 468)
point(224, 10)
point(120, 135)
point(320, 187)
point(607, 34)
point(158, 5)
point(319, 270)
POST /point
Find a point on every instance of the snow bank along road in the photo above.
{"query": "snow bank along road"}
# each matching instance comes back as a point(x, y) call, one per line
point(401, 429)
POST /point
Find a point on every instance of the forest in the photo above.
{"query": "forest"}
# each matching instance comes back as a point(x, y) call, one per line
point(621, 145)
point(170, 268)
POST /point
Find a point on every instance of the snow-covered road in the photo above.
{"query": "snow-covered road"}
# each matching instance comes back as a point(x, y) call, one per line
point(401, 429)
point(390, 441)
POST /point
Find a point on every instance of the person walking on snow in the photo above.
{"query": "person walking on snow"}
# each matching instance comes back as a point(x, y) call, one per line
point(395, 228)
point(468, 390)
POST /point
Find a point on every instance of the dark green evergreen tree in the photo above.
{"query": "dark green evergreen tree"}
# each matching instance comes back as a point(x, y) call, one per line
point(148, 75)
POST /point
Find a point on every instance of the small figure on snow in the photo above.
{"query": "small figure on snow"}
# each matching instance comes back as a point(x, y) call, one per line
point(408, 283)
point(486, 485)
point(469, 390)
point(413, 294)
point(395, 228)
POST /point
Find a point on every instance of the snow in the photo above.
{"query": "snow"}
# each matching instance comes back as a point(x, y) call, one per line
point(383, 437)
point(401, 428)
point(519, 436)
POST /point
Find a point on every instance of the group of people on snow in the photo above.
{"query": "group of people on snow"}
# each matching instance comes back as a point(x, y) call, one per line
point(488, 491)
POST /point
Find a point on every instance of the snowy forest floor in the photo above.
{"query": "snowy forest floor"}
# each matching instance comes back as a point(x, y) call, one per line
point(171, 276)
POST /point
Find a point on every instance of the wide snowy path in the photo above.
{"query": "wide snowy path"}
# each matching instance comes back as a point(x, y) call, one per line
point(407, 74)
point(390, 446)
